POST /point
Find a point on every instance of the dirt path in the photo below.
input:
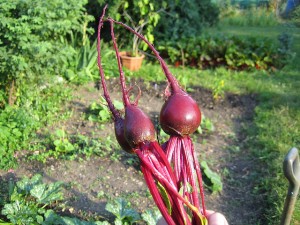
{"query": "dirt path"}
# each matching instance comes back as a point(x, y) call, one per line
point(91, 182)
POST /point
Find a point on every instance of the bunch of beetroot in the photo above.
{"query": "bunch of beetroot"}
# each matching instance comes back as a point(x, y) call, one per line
point(171, 171)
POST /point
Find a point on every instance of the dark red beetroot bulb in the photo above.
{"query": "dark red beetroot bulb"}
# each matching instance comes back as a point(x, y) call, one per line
point(138, 127)
point(120, 135)
point(180, 114)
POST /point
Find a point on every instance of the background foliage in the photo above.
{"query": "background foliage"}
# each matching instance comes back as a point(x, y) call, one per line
point(33, 38)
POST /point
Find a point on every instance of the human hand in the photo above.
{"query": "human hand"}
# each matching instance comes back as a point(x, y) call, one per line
point(214, 218)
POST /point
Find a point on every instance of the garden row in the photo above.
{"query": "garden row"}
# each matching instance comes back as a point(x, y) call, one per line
point(228, 51)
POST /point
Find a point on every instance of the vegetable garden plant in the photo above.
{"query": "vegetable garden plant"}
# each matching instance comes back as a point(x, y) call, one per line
point(171, 170)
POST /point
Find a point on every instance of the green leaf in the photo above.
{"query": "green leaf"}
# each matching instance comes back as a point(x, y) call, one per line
point(151, 217)
point(26, 184)
point(47, 193)
point(126, 5)
point(214, 180)
point(120, 208)
point(118, 105)
point(39, 219)
point(104, 115)
point(20, 212)
point(60, 133)
point(165, 197)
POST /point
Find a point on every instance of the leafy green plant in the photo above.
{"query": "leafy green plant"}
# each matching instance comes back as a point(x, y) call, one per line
point(64, 146)
point(213, 180)
point(151, 217)
point(125, 215)
point(218, 90)
point(84, 67)
point(37, 106)
point(29, 200)
point(16, 125)
point(98, 112)
point(206, 125)
point(31, 40)
point(62, 143)
point(229, 51)
point(179, 19)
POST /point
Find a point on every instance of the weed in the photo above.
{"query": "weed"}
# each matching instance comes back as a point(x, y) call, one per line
point(218, 90)
point(98, 112)
point(206, 126)
point(211, 179)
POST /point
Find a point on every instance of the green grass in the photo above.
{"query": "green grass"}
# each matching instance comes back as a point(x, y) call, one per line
point(276, 124)
point(254, 17)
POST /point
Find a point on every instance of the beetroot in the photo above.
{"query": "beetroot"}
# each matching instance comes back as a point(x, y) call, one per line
point(180, 116)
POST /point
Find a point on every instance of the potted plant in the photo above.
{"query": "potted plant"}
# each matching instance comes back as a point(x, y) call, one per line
point(133, 58)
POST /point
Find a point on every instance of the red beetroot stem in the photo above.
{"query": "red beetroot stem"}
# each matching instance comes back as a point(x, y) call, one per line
point(180, 212)
point(156, 195)
point(113, 110)
point(170, 187)
point(170, 77)
point(199, 177)
point(190, 170)
point(122, 77)
point(187, 151)
point(154, 161)
point(163, 157)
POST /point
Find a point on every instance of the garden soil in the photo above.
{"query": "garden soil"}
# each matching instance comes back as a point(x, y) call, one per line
point(91, 182)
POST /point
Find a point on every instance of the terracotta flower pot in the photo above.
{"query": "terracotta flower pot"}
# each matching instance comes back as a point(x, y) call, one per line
point(133, 63)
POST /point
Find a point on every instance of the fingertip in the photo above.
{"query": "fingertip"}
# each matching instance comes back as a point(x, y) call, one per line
point(217, 219)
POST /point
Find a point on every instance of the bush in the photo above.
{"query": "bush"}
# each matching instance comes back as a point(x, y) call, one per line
point(143, 16)
point(167, 20)
point(185, 19)
point(33, 39)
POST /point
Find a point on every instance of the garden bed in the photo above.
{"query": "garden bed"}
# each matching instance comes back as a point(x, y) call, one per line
point(91, 182)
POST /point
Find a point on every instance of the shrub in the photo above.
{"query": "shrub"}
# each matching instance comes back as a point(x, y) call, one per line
point(32, 35)
point(185, 19)
point(143, 16)
point(167, 20)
